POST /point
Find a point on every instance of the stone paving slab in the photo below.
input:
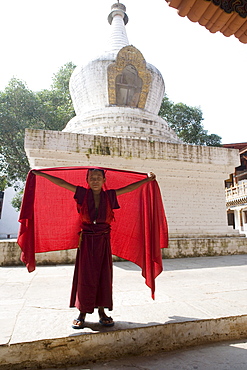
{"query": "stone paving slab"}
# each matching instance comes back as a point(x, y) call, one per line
point(217, 356)
point(34, 306)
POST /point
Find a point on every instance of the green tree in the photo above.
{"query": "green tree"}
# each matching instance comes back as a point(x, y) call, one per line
point(186, 121)
point(21, 108)
point(56, 107)
point(18, 108)
point(3, 183)
point(17, 199)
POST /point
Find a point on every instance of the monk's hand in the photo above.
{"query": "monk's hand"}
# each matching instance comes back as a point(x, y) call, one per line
point(151, 176)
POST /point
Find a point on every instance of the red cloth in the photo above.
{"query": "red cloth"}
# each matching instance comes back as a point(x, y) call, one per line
point(50, 221)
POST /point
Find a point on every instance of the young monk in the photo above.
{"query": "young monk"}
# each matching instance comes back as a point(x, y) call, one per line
point(92, 282)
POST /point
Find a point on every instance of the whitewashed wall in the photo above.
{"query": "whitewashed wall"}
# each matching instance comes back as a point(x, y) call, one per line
point(9, 224)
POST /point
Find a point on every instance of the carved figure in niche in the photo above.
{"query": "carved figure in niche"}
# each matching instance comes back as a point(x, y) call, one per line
point(128, 87)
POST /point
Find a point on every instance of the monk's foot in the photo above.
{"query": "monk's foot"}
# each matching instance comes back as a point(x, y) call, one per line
point(79, 322)
point(105, 320)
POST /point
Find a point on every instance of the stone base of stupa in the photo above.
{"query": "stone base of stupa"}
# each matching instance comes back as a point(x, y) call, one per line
point(191, 177)
point(123, 122)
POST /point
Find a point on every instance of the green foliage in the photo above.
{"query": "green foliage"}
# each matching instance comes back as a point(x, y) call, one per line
point(21, 108)
point(56, 107)
point(18, 107)
point(17, 199)
point(3, 183)
point(186, 121)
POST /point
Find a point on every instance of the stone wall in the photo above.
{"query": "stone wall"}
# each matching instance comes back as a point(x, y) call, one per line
point(205, 247)
point(178, 248)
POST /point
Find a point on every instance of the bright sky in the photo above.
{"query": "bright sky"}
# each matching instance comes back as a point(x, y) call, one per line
point(199, 68)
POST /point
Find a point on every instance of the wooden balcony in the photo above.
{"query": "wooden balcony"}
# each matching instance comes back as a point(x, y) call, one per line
point(236, 195)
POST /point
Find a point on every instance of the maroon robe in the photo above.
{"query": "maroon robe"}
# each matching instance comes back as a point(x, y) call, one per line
point(92, 282)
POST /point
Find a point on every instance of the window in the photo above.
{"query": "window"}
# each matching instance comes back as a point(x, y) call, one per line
point(245, 217)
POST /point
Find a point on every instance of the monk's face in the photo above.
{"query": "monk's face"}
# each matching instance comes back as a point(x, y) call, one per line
point(95, 180)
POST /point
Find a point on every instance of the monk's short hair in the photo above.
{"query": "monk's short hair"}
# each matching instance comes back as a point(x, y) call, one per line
point(95, 169)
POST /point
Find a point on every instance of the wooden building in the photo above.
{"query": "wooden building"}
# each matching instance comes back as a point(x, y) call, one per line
point(236, 191)
point(227, 17)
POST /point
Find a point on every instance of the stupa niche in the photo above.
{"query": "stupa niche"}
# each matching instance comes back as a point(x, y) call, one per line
point(119, 93)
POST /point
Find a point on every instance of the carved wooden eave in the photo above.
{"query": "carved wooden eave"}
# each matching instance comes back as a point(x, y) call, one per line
point(238, 202)
point(227, 17)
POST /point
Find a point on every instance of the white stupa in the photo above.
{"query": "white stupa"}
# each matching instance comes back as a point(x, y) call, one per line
point(118, 94)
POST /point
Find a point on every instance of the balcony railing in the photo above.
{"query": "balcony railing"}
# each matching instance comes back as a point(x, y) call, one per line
point(237, 193)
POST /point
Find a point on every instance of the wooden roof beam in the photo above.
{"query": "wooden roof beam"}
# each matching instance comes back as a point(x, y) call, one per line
point(220, 22)
point(207, 15)
point(213, 20)
point(197, 10)
point(240, 32)
point(212, 17)
point(185, 7)
point(174, 3)
point(243, 38)
point(232, 25)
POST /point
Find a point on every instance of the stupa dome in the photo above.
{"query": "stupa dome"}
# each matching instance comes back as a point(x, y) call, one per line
point(119, 93)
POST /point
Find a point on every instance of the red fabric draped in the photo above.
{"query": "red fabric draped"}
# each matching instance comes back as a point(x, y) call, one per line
point(50, 221)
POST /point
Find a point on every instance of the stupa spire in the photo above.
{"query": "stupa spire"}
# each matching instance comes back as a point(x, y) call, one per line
point(118, 19)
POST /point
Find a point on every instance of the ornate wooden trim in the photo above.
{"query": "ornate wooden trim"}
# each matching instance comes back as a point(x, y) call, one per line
point(242, 201)
point(238, 6)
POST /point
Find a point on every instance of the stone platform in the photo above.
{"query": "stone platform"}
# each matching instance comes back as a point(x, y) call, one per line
point(198, 300)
